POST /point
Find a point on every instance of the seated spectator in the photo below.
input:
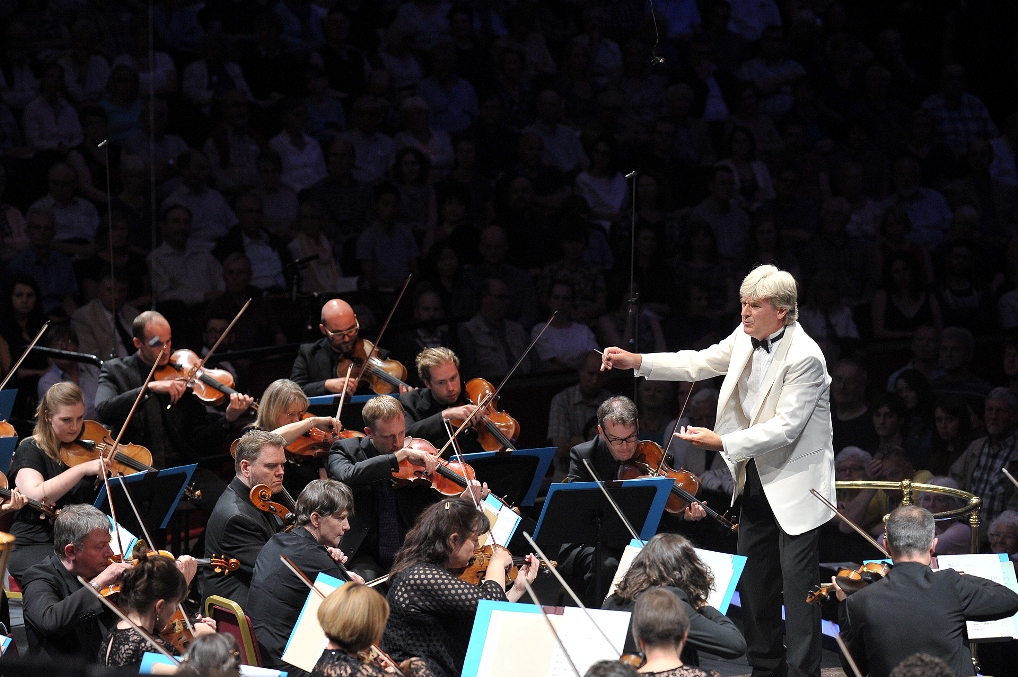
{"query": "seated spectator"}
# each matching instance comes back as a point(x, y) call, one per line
point(345, 66)
point(212, 75)
point(514, 87)
point(74, 218)
point(927, 209)
point(959, 115)
point(121, 103)
point(889, 415)
point(903, 304)
point(602, 185)
point(418, 207)
point(374, 152)
point(852, 420)
point(564, 343)
point(266, 252)
point(937, 162)
point(954, 535)
point(796, 213)
point(952, 420)
point(453, 227)
point(657, 410)
point(444, 273)
point(322, 274)
point(387, 251)
point(1004, 534)
point(586, 281)
point(212, 216)
point(847, 258)
point(491, 343)
point(699, 262)
point(465, 175)
point(432, 142)
point(965, 293)
point(956, 350)
point(279, 201)
point(1010, 362)
point(606, 57)
point(90, 159)
point(493, 135)
point(128, 261)
point(425, 331)
point(86, 70)
point(766, 245)
point(994, 201)
point(826, 318)
point(133, 202)
point(562, 147)
point(694, 325)
point(727, 220)
point(181, 271)
point(230, 149)
point(50, 270)
point(573, 407)
point(641, 88)
point(773, 73)
point(152, 144)
point(493, 263)
point(615, 327)
point(345, 199)
point(527, 226)
point(865, 507)
point(917, 428)
point(50, 121)
point(925, 349)
point(977, 471)
point(452, 99)
point(326, 118)
point(303, 161)
point(83, 374)
point(21, 319)
point(864, 209)
point(257, 327)
point(753, 185)
point(13, 237)
point(1005, 149)
point(156, 71)
point(103, 325)
point(693, 141)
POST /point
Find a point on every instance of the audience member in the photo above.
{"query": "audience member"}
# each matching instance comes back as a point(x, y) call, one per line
point(853, 424)
point(182, 271)
point(491, 343)
point(51, 271)
point(211, 216)
point(103, 325)
point(74, 218)
point(957, 346)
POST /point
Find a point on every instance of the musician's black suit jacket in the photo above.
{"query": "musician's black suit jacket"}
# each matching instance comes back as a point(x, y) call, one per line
point(356, 463)
point(62, 618)
point(596, 453)
point(236, 529)
point(918, 610)
point(316, 363)
point(424, 419)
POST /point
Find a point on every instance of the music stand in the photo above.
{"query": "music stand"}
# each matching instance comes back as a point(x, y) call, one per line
point(578, 512)
point(325, 405)
point(7, 444)
point(7, 398)
point(516, 475)
point(156, 495)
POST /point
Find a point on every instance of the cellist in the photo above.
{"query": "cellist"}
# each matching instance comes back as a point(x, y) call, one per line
point(175, 434)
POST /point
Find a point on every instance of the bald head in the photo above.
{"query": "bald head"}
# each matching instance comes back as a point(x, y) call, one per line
point(339, 325)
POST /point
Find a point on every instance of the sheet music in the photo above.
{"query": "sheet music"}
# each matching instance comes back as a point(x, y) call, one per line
point(990, 567)
point(503, 521)
point(584, 642)
point(307, 641)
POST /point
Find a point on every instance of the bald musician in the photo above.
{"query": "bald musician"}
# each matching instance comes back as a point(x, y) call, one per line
point(314, 370)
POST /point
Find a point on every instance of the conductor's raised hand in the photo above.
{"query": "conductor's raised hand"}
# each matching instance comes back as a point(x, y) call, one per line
point(616, 358)
point(704, 438)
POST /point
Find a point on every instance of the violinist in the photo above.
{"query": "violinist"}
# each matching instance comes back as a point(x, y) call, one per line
point(432, 609)
point(366, 465)
point(182, 433)
point(915, 609)
point(37, 472)
point(150, 593)
point(62, 619)
point(282, 410)
point(277, 596)
point(429, 409)
point(236, 526)
point(353, 618)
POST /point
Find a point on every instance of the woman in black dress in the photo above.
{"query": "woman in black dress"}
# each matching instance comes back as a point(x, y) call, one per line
point(149, 595)
point(353, 618)
point(433, 610)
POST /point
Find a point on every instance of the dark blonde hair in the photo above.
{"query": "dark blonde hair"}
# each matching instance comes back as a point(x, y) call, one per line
point(353, 616)
point(428, 541)
point(59, 395)
point(667, 559)
point(153, 577)
point(659, 618)
point(429, 358)
point(276, 399)
point(381, 408)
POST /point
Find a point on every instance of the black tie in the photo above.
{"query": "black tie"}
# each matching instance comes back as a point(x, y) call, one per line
point(766, 343)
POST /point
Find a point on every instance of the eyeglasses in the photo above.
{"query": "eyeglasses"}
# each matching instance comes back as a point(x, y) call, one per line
point(343, 333)
point(617, 441)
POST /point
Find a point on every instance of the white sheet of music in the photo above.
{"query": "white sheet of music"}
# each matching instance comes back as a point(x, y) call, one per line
point(585, 643)
point(990, 567)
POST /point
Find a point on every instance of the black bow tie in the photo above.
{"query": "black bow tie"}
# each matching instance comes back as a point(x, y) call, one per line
point(766, 343)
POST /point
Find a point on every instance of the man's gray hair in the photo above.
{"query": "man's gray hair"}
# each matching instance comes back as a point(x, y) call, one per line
point(325, 497)
point(910, 530)
point(250, 446)
point(620, 410)
point(75, 523)
point(853, 454)
point(959, 334)
point(1005, 395)
point(776, 286)
point(1008, 518)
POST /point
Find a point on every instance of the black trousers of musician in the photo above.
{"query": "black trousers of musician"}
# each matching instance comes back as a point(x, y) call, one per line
point(777, 562)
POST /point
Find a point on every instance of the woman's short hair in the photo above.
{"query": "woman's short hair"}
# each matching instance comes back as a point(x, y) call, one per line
point(277, 398)
point(659, 618)
point(775, 285)
point(353, 616)
point(428, 541)
point(61, 394)
point(325, 497)
point(667, 559)
point(152, 578)
point(216, 655)
point(381, 408)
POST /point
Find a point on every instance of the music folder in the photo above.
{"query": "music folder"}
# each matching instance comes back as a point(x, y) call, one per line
point(155, 494)
point(514, 475)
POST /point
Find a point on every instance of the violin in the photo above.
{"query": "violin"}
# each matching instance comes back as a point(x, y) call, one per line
point(450, 477)
point(500, 430)
point(477, 568)
point(316, 443)
point(49, 510)
point(213, 386)
point(7, 430)
point(285, 509)
point(218, 563)
point(383, 376)
point(375, 656)
point(95, 440)
point(850, 580)
point(648, 461)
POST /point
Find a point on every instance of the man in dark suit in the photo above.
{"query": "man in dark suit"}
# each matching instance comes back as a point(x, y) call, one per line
point(315, 369)
point(277, 595)
point(236, 527)
point(366, 464)
point(181, 433)
point(61, 617)
point(430, 409)
point(915, 609)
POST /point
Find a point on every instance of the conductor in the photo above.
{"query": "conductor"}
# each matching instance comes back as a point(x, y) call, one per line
point(774, 432)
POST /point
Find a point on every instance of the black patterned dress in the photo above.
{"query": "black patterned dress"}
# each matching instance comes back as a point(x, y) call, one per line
point(124, 648)
point(337, 663)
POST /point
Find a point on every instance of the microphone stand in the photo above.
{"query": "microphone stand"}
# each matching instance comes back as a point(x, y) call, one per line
point(633, 318)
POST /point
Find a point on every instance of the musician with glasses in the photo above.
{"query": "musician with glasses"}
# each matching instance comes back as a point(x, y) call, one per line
point(314, 370)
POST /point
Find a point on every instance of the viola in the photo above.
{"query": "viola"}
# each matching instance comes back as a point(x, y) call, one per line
point(477, 568)
point(218, 563)
point(49, 510)
point(315, 443)
point(285, 508)
point(95, 440)
point(213, 386)
point(449, 479)
point(850, 580)
point(648, 461)
point(500, 430)
point(383, 376)
point(7, 430)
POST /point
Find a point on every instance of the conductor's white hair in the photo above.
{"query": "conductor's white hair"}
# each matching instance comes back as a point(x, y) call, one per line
point(774, 285)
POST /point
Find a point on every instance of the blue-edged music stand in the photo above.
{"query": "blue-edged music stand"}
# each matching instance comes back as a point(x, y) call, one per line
point(156, 495)
point(514, 475)
point(7, 398)
point(578, 512)
point(325, 405)
point(7, 444)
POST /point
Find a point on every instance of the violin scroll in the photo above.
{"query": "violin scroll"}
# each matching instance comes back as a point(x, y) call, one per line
point(223, 565)
point(261, 496)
